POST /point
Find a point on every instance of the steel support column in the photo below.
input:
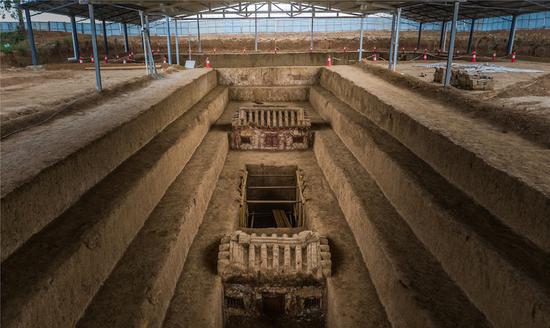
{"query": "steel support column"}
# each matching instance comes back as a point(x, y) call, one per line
point(447, 80)
point(168, 41)
point(143, 41)
point(392, 35)
point(396, 39)
point(125, 31)
point(361, 39)
point(34, 53)
point(255, 27)
point(74, 33)
point(471, 36)
point(177, 41)
point(443, 36)
point(94, 47)
point(419, 36)
point(512, 35)
point(105, 41)
point(151, 69)
point(199, 33)
point(311, 32)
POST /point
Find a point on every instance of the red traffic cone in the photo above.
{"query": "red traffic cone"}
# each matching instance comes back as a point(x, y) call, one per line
point(474, 56)
point(208, 63)
point(425, 55)
point(92, 60)
point(494, 56)
point(81, 60)
point(514, 57)
point(329, 61)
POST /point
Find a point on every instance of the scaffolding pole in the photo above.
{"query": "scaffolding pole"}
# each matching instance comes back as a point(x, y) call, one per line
point(98, 85)
point(142, 19)
point(447, 80)
point(30, 33)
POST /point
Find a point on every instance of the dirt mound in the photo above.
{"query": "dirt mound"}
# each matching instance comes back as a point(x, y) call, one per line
point(537, 87)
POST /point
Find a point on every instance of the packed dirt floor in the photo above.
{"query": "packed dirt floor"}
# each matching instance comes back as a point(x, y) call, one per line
point(527, 92)
point(25, 90)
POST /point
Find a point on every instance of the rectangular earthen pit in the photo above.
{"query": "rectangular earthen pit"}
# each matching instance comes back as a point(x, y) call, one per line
point(271, 197)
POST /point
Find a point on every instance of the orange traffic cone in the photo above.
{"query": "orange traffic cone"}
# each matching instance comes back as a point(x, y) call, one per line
point(514, 57)
point(474, 56)
point(329, 61)
point(208, 63)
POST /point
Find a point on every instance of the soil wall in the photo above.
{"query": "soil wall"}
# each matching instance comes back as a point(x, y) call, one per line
point(56, 47)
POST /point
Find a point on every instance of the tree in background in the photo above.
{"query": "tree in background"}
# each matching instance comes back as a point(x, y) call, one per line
point(10, 7)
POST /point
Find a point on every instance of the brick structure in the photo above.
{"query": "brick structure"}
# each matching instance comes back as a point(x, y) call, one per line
point(271, 127)
point(281, 274)
point(465, 79)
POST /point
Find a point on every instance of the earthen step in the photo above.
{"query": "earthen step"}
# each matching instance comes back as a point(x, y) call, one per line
point(505, 276)
point(73, 255)
point(352, 299)
point(413, 287)
point(139, 289)
point(501, 171)
point(66, 157)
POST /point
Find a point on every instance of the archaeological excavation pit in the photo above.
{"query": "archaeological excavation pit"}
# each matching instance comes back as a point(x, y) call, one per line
point(278, 190)
point(272, 197)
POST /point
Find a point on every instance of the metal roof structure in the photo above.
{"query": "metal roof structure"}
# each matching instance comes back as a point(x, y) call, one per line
point(126, 11)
